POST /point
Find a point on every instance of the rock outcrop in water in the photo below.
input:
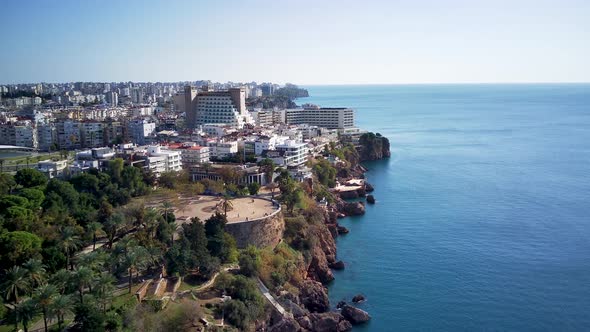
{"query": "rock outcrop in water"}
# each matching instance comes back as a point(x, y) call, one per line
point(373, 147)
point(355, 315)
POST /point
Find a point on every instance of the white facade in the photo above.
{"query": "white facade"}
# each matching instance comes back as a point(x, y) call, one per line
point(226, 108)
point(52, 169)
point(194, 155)
point(294, 153)
point(332, 118)
point(171, 159)
point(268, 143)
point(222, 149)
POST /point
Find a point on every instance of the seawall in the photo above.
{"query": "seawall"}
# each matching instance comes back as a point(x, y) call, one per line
point(261, 232)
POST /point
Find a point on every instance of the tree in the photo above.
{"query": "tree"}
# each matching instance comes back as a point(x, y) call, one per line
point(7, 182)
point(132, 257)
point(65, 191)
point(83, 277)
point(250, 261)
point(111, 227)
point(24, 312)
point(226, 204)
point(168, 211)
point(69, 243)
point(61, 306)
point(88, 318)
point(268, 167)
point(86, 182)
point(44, 297)
point(237, 313)
point(34, 196)
point(29, 177)
point(94, 229)
point(94, 260)
point(253, 188)
point(62, 279)
point(35, 271)
point(19, 246)
point(230, 174)
point(103, 288)
point(115, 169)
point(325, 173)
point(15, 283)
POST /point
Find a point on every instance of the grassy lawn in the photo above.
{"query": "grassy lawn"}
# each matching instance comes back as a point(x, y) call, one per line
point(190, 282)
point(124, 298)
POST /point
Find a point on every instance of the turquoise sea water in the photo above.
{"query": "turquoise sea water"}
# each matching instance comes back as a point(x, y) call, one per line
point(482, 221)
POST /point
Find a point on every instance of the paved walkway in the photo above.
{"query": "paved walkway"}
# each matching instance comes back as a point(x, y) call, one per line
point(272, 300)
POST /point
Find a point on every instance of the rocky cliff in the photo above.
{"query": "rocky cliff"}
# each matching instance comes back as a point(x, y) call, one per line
point(373, 147)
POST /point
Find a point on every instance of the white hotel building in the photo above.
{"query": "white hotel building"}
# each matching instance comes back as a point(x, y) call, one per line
point(331, 118)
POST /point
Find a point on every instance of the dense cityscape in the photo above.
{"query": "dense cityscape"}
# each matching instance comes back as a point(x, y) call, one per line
point(167, 126)
point(176, 206)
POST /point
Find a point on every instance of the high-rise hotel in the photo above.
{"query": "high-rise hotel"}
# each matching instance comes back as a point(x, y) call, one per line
point(216, 107)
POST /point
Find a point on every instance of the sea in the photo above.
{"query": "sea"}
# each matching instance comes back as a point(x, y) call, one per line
point(482, 219)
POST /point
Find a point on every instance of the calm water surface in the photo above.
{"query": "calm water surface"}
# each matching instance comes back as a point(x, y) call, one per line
point(482, 219)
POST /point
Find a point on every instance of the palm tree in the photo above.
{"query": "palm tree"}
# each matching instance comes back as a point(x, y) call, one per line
point(111, 226)
point(24, 312)
point(94, 229)
point(94, 260)
point(62, 305)
point(151, 221)
point(132, 257)
point(1, 165)
point(35, 272)
point(268, 167)
point(61, 279)
point(69, 242)
point(18, 162)
point(44, 297)
point(226, 204)
point(103, 289)
point(83, 277)
point(15, 283)
point(28, 161)
point(166, 208)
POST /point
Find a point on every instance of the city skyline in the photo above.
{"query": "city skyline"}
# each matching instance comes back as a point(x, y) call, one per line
point(304, 43)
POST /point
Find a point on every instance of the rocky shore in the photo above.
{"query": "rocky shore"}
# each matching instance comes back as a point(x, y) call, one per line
point(309, 305)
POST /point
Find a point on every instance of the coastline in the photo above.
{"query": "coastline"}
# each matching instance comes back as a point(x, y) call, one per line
point(310, 305)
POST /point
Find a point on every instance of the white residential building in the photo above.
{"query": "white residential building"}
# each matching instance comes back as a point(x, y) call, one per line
point(294, 153)
point(171, 159)
point(222, 149)
point(52, 169)
point(191, 154)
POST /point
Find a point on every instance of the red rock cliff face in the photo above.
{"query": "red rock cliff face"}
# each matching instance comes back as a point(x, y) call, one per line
point(323, 253)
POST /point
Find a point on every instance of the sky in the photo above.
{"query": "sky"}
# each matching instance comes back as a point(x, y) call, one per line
point(302, 42)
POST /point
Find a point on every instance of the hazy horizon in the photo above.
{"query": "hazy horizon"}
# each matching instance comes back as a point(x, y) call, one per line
point(306, 43)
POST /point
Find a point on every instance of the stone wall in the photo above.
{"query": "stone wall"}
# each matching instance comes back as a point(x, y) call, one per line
point(261, 232)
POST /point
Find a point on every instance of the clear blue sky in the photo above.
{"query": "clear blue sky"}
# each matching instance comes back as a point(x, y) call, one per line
point(303, 41)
